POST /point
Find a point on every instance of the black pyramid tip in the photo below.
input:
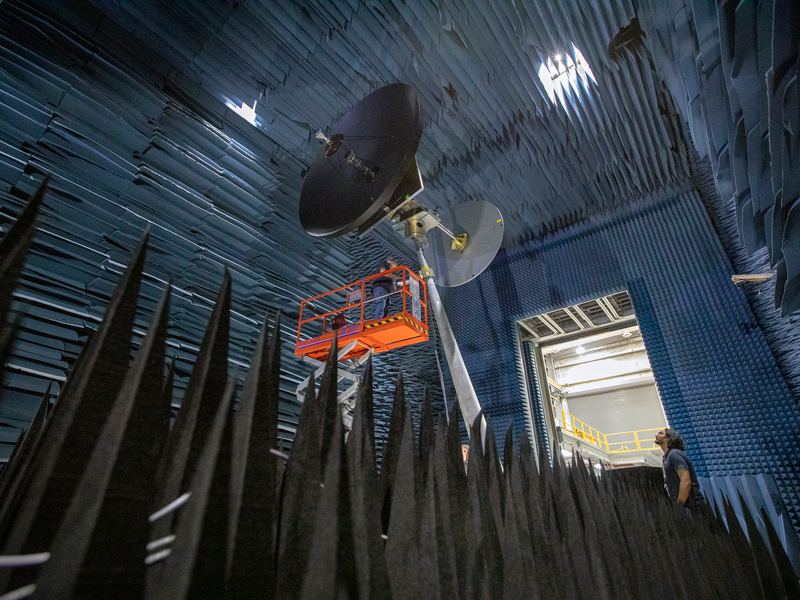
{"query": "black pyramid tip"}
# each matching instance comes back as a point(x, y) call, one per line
point(26, 444)
point(401, 545)
point(787, 573)
point(494, 473)
point(114, 563)
point(82, 522)
point(329, 397)
point(391, 449)
point(476, 450)
point(363, 430)
point(202, 396)
point(15, 245)
point(771, 583)
point(175, 578)
point(330, 571)
point(429, 582)
point(455, 502)
point(426, 433)
point(508, 448)
point(364, 500)
point(301, 488)
point(74, 427)
point(457, 477)
point(211, 560)
point(446, 551)
point(254, 493)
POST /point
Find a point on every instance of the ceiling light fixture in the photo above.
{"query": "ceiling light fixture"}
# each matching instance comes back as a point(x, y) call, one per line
point(247, 113)
point(627, 334)
point(580, 350)
point(563, 75)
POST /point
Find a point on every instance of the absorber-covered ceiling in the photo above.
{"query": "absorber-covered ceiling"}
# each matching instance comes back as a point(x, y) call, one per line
point(492, 129)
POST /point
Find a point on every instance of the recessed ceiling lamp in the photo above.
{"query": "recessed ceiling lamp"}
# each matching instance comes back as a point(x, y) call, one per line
point(580, 350)
point(247, 113)
point(627, 334)
point(562, 72)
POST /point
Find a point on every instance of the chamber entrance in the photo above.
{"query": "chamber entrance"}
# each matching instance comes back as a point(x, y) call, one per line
point(591, 376)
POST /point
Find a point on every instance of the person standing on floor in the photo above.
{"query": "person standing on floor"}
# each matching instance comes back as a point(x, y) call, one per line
point(680, 480)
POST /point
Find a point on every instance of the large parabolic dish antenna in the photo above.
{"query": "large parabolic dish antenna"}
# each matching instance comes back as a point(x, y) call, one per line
point(366, 173)
point(483, 224)
point(358, 169)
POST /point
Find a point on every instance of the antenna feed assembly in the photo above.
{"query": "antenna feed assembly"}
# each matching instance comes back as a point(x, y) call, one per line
point(413, 221)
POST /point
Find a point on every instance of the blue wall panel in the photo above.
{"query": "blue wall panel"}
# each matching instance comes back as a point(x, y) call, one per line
point(718, 380)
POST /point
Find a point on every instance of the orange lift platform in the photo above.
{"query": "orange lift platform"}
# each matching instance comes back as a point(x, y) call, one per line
point(406, 323)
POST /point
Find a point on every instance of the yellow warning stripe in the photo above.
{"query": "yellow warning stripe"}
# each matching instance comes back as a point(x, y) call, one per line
point(417, 326)
point(382, 322)
point(391, 320)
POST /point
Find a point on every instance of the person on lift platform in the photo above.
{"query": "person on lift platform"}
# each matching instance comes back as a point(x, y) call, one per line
point(382, 287)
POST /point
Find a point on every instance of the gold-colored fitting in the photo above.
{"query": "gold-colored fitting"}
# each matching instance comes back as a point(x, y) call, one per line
point(426, 273)
point(460, 242)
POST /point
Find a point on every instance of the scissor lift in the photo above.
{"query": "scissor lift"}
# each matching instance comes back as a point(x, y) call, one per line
point(359, 335)
point(406, 323)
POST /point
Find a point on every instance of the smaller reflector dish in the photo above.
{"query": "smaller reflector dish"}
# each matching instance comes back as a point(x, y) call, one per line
point(483, 223)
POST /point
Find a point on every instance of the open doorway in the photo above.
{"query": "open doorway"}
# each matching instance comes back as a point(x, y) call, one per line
point(590, 373)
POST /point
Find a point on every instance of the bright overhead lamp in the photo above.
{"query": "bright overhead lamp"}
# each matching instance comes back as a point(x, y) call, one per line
point(580, 350)
point(247, 113)
point(563, 75)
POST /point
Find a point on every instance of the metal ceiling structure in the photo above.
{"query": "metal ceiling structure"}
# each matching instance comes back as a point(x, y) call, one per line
point(579, 318)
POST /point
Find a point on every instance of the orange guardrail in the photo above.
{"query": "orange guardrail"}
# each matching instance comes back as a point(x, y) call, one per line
point(610, 442)
point(352, 322)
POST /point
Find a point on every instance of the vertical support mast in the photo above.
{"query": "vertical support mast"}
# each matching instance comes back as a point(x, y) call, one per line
point(467, 400)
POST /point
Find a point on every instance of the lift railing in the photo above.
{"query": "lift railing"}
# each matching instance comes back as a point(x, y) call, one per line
point(357, 305)
point(613, 443)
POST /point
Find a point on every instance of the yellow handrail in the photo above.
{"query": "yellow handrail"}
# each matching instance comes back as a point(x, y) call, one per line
point(622, 445)
point(577, 427)
point(574, 425)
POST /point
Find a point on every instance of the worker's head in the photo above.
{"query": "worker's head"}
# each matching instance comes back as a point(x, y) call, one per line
point(391, 260)
point(671, 438)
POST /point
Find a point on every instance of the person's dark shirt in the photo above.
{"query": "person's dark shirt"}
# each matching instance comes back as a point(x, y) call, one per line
point(672, 461)
point(383, 282)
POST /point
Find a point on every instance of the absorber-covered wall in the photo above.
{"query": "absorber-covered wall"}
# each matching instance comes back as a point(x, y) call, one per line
point(731, 68)
point(718, 380)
